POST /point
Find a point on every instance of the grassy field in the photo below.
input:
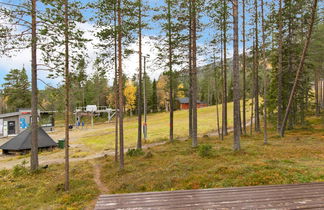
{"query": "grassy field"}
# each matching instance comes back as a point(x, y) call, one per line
point(21, 189)
point(158, 127)
point(297, 158)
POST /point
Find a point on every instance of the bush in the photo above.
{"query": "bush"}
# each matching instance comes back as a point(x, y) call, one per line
point(20, 170)
point(148, 155)
point(204, 150)
point(134, 152)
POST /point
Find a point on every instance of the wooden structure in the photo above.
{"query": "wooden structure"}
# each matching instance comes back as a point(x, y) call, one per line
point(21, 144)
point(183, 103)
point(307, 196)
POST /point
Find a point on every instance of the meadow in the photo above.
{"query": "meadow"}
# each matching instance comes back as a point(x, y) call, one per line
point(296, 158)
point(158, 127)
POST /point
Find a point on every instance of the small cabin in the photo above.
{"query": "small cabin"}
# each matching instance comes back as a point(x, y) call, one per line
point(21, 144)
point(183, 103)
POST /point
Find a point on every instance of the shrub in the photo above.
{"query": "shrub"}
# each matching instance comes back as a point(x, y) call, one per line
point(20, 170)
point(134, 152)
point(148, 155)
point(204, 150)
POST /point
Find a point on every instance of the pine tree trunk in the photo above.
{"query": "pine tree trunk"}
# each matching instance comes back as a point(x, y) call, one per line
point(170, 70)
point(244, 68)
point(190, 71)
point(216, 99)
point(265, 84)
point(253, 89)
point(120, 90)
point(116, 83)
point(280, 71)
point(222, 95)
point(139, 98)
point(194, 75)
point(217, 116)
point(316, 92)
point(251, 121)
point(236, 79)
point(256, 93)
point(224, 116)
point(300, 68)
point(67, 96)
point(34, 99)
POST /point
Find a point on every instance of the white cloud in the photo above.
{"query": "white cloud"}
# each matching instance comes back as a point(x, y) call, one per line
point(130, 64)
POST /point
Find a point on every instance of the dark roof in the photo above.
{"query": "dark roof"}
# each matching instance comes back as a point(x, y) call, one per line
point(23, 141)
point(185, 100)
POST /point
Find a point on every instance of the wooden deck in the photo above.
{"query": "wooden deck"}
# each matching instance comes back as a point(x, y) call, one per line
point(300, 196)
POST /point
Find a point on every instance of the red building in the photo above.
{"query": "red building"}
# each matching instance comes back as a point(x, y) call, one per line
point(184, 103)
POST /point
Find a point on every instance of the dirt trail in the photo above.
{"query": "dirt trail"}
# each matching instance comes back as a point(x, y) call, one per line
point(96, 169)
point(58, 157)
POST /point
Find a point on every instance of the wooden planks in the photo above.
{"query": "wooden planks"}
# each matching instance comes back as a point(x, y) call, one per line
point(301, 196)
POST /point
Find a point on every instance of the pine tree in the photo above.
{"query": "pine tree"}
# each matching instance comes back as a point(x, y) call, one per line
point(265, 85)
point(194, 72)
point(154, 97)
point(280, 70)
point(244, 68)
point(170, 46)
point(17, 14)
point(16, 89)
point(300, 68)
point(236, 79)
point(256, 69)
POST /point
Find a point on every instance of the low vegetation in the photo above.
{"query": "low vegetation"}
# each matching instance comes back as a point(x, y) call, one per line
point(297, 158)
point(43, 189)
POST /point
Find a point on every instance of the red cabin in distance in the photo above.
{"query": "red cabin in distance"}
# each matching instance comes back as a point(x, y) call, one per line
point(184, 103)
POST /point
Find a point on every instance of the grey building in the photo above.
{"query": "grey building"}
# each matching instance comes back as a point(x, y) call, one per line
point(11, 124)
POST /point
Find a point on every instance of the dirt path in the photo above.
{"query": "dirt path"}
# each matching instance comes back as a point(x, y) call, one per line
point(57, 158)
point(96, 175)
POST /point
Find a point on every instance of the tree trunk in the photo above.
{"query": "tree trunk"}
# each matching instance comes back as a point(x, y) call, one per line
point(194, 75)
point(300, 68)
point(236, 79)
point(139, 98)
point(67, 96)
point(265, 85)
point(224, 117)
point(216, 97)
point(280, 72)
point(170, 71)
point(222, 95)
point(34, 99)
point(120, 86)
point(116, 84)
point(190, 71)
point(316, 92)
point(256, 93)
point(253, 89)
point(244, 68)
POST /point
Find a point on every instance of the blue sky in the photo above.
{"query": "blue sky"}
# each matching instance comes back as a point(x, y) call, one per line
point(23, 58)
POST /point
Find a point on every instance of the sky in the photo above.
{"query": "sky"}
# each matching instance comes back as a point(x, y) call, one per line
point(22, 58)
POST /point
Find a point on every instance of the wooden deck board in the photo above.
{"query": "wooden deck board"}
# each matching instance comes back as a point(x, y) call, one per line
point(297, 196)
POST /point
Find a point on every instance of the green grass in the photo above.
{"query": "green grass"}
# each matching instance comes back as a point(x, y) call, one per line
point(158, 127)
point(21, 189)
point(297, 158)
